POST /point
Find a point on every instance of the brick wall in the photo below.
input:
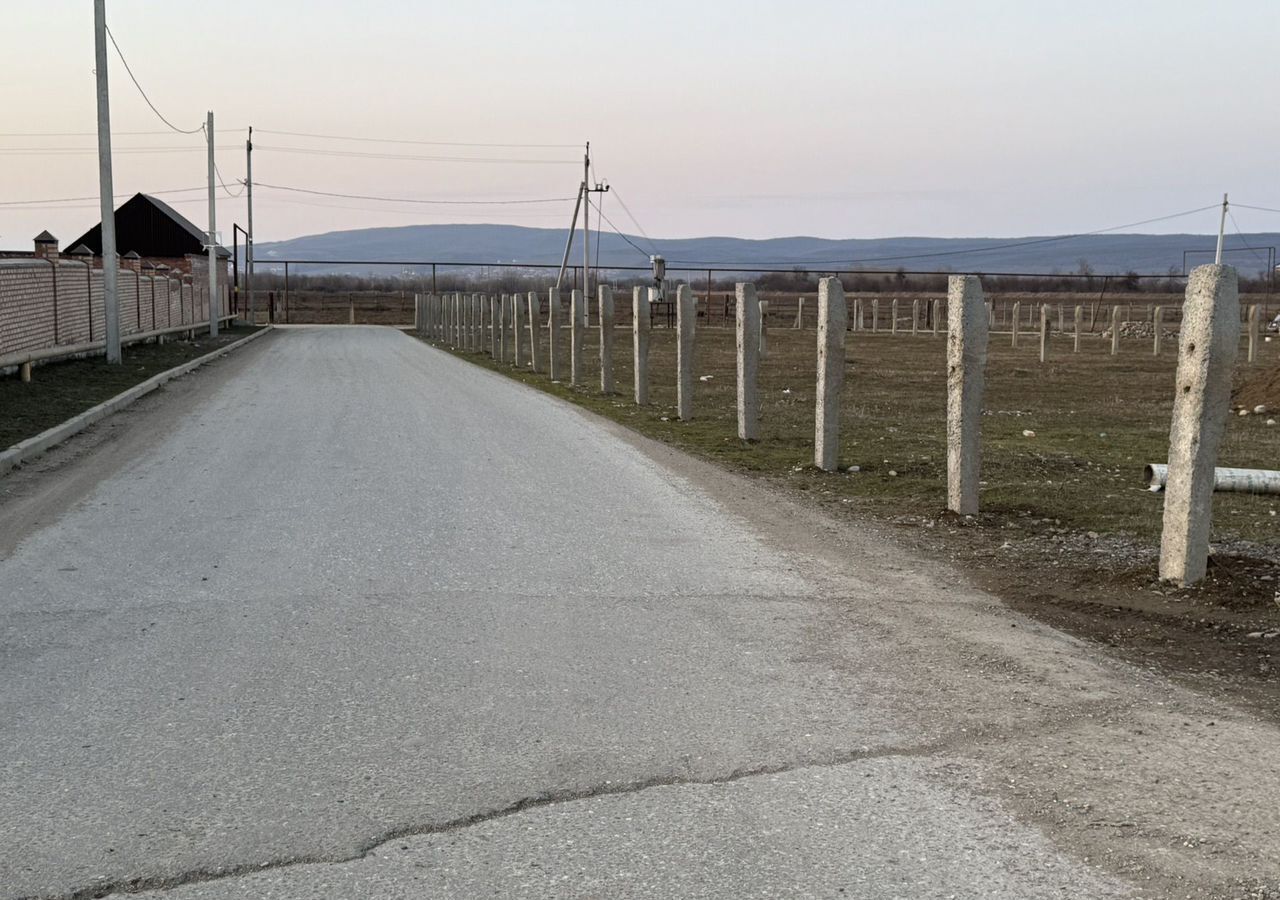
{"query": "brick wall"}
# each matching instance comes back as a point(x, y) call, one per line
point(50, 303)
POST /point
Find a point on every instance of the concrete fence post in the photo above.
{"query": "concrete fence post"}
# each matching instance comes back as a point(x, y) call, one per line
point(967, 334)
point(799, 313)
point(764, 329)
point(686, 326)
point(893, 316)
point(1157, 323)
point(1044, 333)
point(555, 357)
point(1062, 320)
point(1115, 330)
point(518, 337)
point(748, 320)
point(534, 309)
point(875, 315)
point(936, 311)
point(915, 316)
point(1017, 319)
point(1079, 319)
point(1254, 316)
point(457, 321)
point(605, 316)
point(576, 334)
point(857, 313)
point(495, 328)
point(833, 320)
point(640, 342)
point(1207, 350)
point(504, 325)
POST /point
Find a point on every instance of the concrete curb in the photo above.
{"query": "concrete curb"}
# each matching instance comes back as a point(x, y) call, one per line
point(21, 452)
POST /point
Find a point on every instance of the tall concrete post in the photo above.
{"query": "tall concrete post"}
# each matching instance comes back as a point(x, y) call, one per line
point(915, 317)
point(555, 354)
point(875, 315)
point(686, 325)
point(1207, 350)
point(833, 320)
point(495, 330)
point(605, 316)
point(748, 320)
point(1044, 332)
point(967, 333)
point(504, 328)
point(893, 316)
point(799, 323)
point(1253, 332)
point(857, 313)
point(518, 338)
point(1157, 323)
point(640, 342)
point(937, 315)
point(577, 331)
point(457, 321)
point(1017, 312)
point(1079, 318)
point(1062, 320)
point(764, 329)
point(1115, 330)
point(534, 309)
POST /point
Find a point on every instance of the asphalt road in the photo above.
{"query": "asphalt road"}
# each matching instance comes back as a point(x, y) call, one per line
point(344, 616)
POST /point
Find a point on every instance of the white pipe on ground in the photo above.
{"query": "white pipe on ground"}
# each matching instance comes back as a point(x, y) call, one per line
point(1240, 481)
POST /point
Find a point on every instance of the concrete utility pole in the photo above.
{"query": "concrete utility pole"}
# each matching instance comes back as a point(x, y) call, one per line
point(248, 249)
point(586, 231)
point(213, 232)
point(967, 336)
point(106, 190)
point(1222, 230)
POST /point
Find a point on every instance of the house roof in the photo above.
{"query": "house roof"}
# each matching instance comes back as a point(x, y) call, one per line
point(151, 228)
point(45, 237)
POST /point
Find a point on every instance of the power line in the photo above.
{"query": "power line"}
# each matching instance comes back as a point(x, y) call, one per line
point(616, 231)
point(944, 253)
point(76, 151)
point(373, 140)
point(451, 159)
point(120, 53)
point(95, 197)
point(1258, 208)
point(279, 187)
point(1240, 234)
point(634, 220)
point(31, 134)
point(218, 172)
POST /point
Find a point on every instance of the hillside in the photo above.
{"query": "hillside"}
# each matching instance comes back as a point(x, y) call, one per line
point(485, 244)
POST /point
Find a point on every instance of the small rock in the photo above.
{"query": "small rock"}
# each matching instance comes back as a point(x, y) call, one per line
point(1091, 535)
point(705, 377)
point(1254, 635)
point(1259, 409)
point(1243, 412)
point(1271, 421)
point(1028, 433)
point(893, 473)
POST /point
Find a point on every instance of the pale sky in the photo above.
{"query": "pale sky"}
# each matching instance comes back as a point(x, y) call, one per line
point(754, 119)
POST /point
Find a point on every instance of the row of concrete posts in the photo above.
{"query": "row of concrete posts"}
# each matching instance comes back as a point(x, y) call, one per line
point(509, 328)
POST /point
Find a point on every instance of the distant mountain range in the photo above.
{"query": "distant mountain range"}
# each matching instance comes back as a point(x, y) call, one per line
point(488, 244)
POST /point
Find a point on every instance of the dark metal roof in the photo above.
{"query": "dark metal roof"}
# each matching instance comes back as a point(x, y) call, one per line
point(152, 228)
point(45, 237)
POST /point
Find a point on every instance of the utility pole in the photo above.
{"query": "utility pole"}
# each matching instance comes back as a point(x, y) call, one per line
point(213, 232)
point(586, 232)
point(1222, 228)
point(248, 238)
point(106, 190)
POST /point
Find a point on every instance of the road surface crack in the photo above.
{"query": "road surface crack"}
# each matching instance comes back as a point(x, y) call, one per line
point(138, 884)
